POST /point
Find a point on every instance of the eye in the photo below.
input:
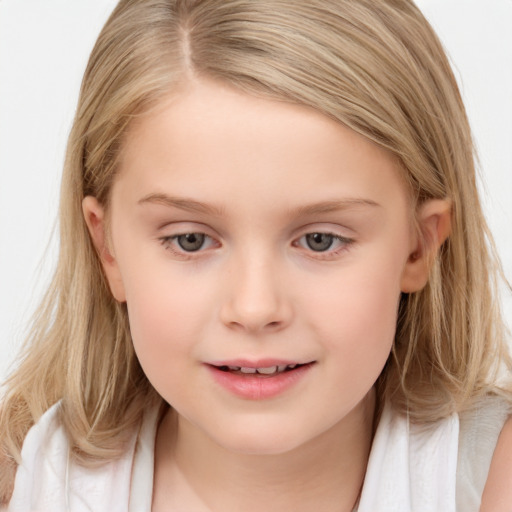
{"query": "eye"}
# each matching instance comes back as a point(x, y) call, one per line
point(319, 242)
point(190, 242)
point(323, 242)
point(187, 242)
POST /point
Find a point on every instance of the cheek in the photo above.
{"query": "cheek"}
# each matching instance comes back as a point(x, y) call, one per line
point(359, 315)
point(166, 311)
point(160, 314)
point(163, 324)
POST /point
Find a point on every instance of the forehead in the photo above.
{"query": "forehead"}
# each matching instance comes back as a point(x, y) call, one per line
point(214, 143)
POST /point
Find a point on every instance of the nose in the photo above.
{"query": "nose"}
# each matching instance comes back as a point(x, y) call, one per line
point(256, 299)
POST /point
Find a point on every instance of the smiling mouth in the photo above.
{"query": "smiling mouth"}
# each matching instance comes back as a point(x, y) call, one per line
point(268, 371)
point(259, 380)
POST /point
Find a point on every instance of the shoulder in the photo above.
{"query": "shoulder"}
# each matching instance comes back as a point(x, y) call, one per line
point(45, 447)
point(484, 430)
point(497, 495)
point(46, 433)
point(50, 478)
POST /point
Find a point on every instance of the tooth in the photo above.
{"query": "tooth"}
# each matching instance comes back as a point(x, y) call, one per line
point(281, 368)
point(268, 371)
point(234, 368)
point(247, 370)
point(292, 366)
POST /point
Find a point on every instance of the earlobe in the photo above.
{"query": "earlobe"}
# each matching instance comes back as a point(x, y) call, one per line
point(94, 215)
point(434, 222)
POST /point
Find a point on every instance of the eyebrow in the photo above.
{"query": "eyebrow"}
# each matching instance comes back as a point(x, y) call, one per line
point(191, 205)
point(335, 205)
point(182, 203)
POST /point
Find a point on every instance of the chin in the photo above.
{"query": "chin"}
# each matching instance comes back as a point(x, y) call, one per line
point(260, 439)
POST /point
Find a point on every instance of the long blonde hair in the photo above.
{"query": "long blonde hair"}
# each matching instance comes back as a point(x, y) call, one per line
point(376, 67)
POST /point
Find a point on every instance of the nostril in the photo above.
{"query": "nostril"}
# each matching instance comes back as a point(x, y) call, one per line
point(255, 315)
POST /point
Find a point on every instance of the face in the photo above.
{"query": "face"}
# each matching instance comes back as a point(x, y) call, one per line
point(261, 249)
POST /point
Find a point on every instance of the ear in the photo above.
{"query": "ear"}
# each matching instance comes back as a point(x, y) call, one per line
point(434, 222)
point(94, 215)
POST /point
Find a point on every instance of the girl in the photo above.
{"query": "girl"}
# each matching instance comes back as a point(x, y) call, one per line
point(276, 288)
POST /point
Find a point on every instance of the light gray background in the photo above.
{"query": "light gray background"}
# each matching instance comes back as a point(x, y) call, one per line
point(44, 47)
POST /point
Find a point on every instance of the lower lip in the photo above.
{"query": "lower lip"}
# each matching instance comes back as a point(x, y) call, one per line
point(259, 387)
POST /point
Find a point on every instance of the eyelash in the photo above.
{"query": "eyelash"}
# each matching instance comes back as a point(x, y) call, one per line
point(170, 242)
point(344, 243)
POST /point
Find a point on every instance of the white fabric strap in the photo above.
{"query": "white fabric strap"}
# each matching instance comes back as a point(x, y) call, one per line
point(411, 468)
point(141, 490)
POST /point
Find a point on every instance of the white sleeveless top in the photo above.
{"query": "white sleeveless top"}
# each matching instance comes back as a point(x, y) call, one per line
point(411, 468)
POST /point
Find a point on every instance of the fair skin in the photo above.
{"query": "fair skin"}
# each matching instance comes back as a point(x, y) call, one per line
point(303, 244)
point(497, 495)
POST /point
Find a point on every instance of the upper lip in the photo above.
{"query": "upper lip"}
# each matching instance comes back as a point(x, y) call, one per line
point(258, 363)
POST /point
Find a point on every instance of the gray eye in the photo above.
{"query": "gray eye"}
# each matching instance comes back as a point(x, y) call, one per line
point(319, 241)
point(191, 242)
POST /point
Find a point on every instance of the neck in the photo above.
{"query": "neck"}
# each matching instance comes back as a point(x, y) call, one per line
point(324, 474)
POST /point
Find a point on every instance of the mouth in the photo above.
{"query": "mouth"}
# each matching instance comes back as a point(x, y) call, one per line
point(264, 371)
point(259, 380)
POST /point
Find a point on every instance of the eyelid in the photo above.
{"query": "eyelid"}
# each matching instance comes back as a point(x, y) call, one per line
point(169, 243)
point(340, 238)
point(346, 243)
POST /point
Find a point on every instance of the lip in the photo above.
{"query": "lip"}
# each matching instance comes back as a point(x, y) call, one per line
point(256, 363)
point(255, 386)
